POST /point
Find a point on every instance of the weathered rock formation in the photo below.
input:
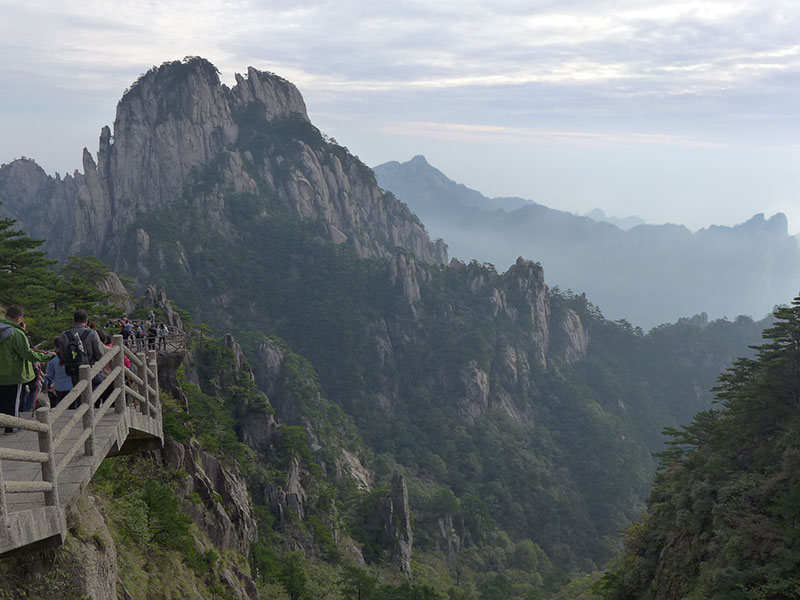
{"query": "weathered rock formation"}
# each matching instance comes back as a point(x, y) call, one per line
point(181, 136)
point(157, 298)
point(279, 386)
point(226, 514)
point(288, 502)
point(394, 516)
point(118, 294)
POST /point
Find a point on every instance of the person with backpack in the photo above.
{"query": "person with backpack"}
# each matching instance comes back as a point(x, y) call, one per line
point(80, 346)
point(162, 336)
point(16, 361)
point(56, 378)
point(152, 334)
point(125, 329)
point(139, 336)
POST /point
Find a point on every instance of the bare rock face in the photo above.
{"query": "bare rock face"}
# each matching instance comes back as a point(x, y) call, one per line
point(238, 354)
point(406, 275)
point(447, 539)
point(577, 337)
point(172, 120)
point(44, 207)
point(270, 359)
point(475, 401)
point(525, 280)
point(95, 546)
point(180, 137)
point(395, 515)
point(157, 298)
point(259, 433)
point(119, 294)
point(350, 464)
point(278, 97)
point(226, 516)
point(289, 502)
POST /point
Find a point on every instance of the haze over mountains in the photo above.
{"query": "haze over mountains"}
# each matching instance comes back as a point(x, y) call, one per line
point(648, 275)
point(365, 378)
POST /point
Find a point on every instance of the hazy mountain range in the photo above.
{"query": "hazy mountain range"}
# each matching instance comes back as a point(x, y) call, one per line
point(648, 274)
point(376, 411)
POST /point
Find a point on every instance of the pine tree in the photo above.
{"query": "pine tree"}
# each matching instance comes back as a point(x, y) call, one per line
point(723, 519)
point(49, 297)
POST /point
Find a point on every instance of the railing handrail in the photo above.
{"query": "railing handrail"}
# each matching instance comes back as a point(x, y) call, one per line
point(141, 393)
point(19, 423)
point(132, 357)
point(104, 360)
point(67, 400)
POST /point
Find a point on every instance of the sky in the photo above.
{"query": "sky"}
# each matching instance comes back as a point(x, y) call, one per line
point(684, 111)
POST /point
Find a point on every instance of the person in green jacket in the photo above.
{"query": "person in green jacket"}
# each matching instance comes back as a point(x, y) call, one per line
point(16, 361)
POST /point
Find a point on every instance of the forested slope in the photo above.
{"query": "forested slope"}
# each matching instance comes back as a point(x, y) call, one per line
point(722, 519)
point(517, 418)
point(649, 274)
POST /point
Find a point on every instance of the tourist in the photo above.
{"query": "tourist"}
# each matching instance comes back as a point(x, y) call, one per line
point(162, 336)
point(152, 334)
point(16, 361)
point(80, 345)
point(56, 381)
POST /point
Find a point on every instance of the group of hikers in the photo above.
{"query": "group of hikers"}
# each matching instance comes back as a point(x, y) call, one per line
point(141, 333)
point(22, 377)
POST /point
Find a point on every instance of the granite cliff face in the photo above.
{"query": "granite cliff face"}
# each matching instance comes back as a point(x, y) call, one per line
point(180, 136)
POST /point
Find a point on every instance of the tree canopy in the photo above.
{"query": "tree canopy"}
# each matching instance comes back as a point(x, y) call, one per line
point(49, 295)
point(723, 518)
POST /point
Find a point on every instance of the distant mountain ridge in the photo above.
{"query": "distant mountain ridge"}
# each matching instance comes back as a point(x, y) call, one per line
point(522, 421)
point(623, 223)
point(649, 274)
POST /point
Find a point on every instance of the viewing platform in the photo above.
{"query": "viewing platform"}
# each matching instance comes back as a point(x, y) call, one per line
point(44, 467)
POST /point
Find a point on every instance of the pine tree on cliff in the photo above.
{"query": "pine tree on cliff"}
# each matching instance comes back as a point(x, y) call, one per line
point(723, 519)
point(49, 297)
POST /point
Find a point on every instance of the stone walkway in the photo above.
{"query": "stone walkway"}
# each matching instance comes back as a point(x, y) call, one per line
point(30, 523)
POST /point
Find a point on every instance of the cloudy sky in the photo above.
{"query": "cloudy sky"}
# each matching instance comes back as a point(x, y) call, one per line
point(683, 111)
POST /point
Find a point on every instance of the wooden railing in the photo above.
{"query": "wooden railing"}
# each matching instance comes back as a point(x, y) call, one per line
point(136, 386)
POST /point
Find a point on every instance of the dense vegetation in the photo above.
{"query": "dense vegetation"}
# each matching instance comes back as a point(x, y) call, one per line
point(722, 519)
point(49, 295)
point(565, 478)
point(520, 471)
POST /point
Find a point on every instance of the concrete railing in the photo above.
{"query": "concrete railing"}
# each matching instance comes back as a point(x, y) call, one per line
point(175, 341)
point(136, 387)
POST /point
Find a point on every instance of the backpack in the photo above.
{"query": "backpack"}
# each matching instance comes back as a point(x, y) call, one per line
point(73, 351)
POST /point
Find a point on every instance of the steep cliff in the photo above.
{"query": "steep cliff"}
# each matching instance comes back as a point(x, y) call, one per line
point(341, 350)
point(181, 136)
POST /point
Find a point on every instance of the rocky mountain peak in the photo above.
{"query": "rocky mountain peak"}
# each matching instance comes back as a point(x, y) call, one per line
point(279, 97)
point(175, 118)
point(182, 138)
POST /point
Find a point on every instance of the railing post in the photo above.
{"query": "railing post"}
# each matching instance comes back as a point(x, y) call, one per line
point(152, 358)
point(3, 507)
point(46, 446)
point(143, 377)
point(119, 384)
point(88, 417)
